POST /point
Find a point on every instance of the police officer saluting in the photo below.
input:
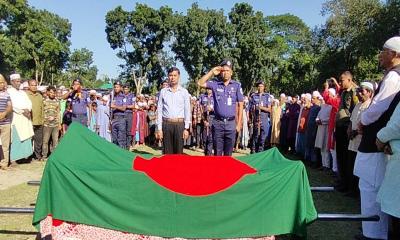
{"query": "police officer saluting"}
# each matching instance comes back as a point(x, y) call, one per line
point(260, 107)
point(228, 106)
point(118, 120)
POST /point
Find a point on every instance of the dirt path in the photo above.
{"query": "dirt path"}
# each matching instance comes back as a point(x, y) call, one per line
point(21, 173)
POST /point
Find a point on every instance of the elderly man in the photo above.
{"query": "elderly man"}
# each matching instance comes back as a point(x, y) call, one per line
point(21, 125)
point(5, 122)
point(37, 117)
point(370, 162)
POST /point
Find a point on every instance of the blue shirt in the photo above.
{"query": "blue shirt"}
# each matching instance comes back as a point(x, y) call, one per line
point(257, 100)
point(130, 100)
point(79, 104)
point(207, 101)
point(120, 101)
point(225, 97)
point(173, 105)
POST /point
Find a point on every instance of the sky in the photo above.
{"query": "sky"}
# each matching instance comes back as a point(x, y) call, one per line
point(88, 21)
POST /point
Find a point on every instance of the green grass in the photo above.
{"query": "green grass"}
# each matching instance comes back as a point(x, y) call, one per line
point(325, 202)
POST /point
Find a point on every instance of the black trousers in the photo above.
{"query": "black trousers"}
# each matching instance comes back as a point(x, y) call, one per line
point(38, 140)
point(342, 143)
point(173, 137)
point(351, 179)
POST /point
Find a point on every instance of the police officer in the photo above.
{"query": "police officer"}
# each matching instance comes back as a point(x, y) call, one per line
point(118, 120)
point(130, 105)
point(228, 106)
point(260, 108)
point(207, 103)
point(80, 102)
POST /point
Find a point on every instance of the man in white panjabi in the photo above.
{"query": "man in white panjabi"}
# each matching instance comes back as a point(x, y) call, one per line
point(21, 124)
point(370, 163)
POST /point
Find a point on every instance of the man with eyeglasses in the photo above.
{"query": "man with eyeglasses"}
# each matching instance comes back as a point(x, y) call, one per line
point(370, 162)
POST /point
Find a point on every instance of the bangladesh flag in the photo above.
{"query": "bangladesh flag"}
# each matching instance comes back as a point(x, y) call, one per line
point(90, 181)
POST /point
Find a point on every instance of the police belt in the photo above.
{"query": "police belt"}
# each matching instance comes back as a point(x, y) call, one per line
point(173, 120)
point(225, 119)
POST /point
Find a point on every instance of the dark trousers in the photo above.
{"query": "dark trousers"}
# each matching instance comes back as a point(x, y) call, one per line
point(352, 181)
point(118, 131)
point(173, 137)
point(129, 137)
point(207, 141)
point(342, 143)
point(259, 135)
point(224, 133)
point(37, 141)
point(47, 133)
point(198, 135)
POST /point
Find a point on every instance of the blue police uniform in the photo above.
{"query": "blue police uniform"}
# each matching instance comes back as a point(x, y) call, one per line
point(118, 126)
point(261, 121)
point(207, 102)
point(130, 100)
point(224, 125)
point(79, 103)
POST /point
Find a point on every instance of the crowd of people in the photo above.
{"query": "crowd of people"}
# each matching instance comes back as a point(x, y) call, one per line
point(347, 130)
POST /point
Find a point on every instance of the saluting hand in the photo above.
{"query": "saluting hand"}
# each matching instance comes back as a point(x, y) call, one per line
point(216, 70)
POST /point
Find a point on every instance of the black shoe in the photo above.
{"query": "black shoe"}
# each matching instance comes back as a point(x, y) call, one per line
point(341, 188)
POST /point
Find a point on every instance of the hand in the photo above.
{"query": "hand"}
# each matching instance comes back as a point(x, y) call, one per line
point(159, 134)
point(238, 127)
point(360, 128)
point(216, 70)
point(2, 115)
point(185, 134)
point(27, 113)
point(380, 145)
point(387, 150)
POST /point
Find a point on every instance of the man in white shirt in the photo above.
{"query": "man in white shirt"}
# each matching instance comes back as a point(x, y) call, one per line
point(370, 163)
point(21, 125)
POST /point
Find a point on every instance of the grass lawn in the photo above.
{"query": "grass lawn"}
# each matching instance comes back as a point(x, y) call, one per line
point(19, 226)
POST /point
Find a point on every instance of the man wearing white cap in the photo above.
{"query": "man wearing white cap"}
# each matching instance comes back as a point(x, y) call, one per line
point(370, 163)
point(21, 125)
point(103, 118)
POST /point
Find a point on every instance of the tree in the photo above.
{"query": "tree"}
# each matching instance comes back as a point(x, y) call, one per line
point(35, 42)
point(81, 66)
point(140, 36)
point(201, 40)
point(250, 46)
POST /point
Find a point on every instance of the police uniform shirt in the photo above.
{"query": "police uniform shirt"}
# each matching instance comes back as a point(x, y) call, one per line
point(225, 97)
point(130, 100)
point(120, 101)
point(207, 101)
point(262, 100)
point(79, 103)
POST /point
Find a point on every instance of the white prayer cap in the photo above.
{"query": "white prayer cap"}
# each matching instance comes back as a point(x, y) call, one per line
point(98, 95)
point(307, 96)
point(272, 96)
point(283, 95)
point(332, 91)
point(105, 98)
point(289, 99)
point(23, 85)
point(393, 44)
point(303, 95)
point(42, 88)
point(92, 92)
point(62, 87)
point(15, 76)
point(316, 94)
point(367, 85)
point(194, 98)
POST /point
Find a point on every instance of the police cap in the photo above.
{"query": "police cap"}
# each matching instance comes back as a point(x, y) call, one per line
point(260, 82)
point(226, 62)
point(118, 83)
